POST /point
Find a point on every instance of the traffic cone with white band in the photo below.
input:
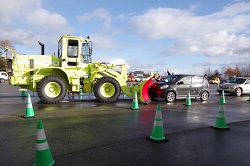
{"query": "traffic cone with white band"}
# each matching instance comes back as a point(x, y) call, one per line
point(43, 154)
point(222, 98)
point(188, 99)
point(157, 134)
point(29, 108)
point(135, 105)
point(220, 122)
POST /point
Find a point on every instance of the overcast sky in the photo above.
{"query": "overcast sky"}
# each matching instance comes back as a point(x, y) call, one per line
point(183, 36)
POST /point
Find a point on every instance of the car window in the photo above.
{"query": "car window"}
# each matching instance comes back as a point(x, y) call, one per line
point(186, 80)
point(171, 78)
point(237, 80)
point(248, 81)
point(197, 80)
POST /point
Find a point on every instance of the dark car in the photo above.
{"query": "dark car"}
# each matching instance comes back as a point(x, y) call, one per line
point(178, 85)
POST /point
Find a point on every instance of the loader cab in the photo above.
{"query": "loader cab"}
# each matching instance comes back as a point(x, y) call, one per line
point(74, 51)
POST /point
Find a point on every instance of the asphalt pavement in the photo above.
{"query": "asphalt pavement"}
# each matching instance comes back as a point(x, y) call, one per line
point(81, 131)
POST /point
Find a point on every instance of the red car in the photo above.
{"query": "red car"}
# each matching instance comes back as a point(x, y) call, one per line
point(155, 90)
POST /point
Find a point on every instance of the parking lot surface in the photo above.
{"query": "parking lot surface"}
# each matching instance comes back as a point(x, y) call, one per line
point(82, 131)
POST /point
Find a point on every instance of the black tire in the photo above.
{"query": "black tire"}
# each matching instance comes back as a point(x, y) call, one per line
point(51, 89)
point(2, 80)
point(238, 91)
point(107, 90)
point(204, 96)
point(170, 96)
point(220, 92)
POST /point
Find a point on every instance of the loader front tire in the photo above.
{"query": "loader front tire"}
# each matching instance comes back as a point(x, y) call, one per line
point(107, 90)
point(51, 89)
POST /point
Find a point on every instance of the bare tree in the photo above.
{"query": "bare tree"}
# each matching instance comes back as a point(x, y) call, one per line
point(245, 71)
point(208, 72)
point(6, 43)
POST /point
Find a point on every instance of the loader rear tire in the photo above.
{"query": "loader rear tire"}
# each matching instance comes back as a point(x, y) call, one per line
point(51, 89)
point(107, 90)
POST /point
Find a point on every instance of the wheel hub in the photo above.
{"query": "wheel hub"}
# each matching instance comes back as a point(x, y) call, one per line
point(51, 89)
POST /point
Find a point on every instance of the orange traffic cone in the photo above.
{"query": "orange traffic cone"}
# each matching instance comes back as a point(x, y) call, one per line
point(157, 134)
point(220, 122)
point(135, 105)
point(43, 154)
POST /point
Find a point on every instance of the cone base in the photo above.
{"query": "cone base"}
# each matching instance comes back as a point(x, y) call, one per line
point(187, 104)
point(134, 108)
point(25, 116)
point(154, 140)
point(52, 163)
point(226, 128)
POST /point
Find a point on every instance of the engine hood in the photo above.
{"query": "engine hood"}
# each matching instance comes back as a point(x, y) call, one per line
point(229, 85)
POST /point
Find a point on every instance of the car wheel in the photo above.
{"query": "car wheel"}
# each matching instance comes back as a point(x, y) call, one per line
point(2, 80)
point(204, 96)
point(238, 92)
point(220, 92)
point(170, 96)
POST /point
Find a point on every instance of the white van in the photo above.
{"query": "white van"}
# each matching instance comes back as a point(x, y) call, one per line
point(3, 76)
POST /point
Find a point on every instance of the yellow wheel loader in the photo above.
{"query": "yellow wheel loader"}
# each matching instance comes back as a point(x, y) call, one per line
point(71, 71)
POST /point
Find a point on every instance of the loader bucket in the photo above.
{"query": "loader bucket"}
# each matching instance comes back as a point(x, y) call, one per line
point(144, 97)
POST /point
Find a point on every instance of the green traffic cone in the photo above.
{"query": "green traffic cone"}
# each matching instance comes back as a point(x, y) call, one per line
point(135, 105)
point(80, 93)
point(29, 108)
point(248, 99)
point(157, 134)
point(220, 122)
point(222, 98)
point(188, 99)
point(23, 94)
point(43, 154)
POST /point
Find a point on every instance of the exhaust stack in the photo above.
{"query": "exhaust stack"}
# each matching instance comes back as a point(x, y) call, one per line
point(42, 47)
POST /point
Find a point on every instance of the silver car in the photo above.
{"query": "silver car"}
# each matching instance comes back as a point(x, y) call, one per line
point(237, 86)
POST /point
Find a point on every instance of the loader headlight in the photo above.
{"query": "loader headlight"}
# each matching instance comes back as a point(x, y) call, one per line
point(164, 87)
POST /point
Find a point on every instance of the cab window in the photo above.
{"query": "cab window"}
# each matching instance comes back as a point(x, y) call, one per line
point(86, 54)
point(60, 49)
point(72, 48)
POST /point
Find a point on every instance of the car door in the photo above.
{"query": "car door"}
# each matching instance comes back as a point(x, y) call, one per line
point(196, 86)
point(247, 86)
point(183, 85)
